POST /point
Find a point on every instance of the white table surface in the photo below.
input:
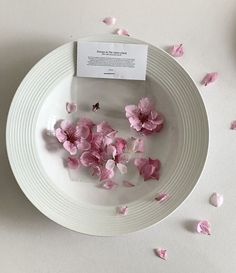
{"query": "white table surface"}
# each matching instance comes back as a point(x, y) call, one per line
point(29, 242)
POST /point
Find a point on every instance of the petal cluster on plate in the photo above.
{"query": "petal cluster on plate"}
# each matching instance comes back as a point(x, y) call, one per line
point(98, 147)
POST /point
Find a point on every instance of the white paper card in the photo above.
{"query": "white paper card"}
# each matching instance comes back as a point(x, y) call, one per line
point(112, 60)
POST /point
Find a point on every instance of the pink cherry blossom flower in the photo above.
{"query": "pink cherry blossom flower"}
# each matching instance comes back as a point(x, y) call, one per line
point(233, 125)
point(204, 227)
point(217, 199)
point(128, 184)
point(161, 197)
point(210, 78)
point(177, 50)
point(109, 185)
point(148, 168)
point(110, 21)
point(121, 31)
point(73, 163)
point(73, 137)
point(162, 253)
point(71, 107)
point(144, 118)
point(123, 210)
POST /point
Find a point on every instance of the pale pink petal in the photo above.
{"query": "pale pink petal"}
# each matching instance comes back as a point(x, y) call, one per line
point(86, 122)
point(83, 145)
point(121, 31)
point(138, 145)
point(147, 172)
point(210, 78)
point(104, 128)
point(217, 199)
point(109, 185)
point(109, 138)
point(96, 107)
point(145, 105)
point(122, 168)
point(60, 135)
point(110, 164)
point(233, 125)
point(177, 50)
point(70, 147)
point(123, 210)
point(71, 107)
point(110, 21)
point(135, 123)
point(88, 159)
point(161, 197)
point(120, 144)
point(73, 162)
point(128, 184)
point(204, 227)
point(111, 151)
point(82, 131)
point(149, 125)
point(66, 125)
point(140, 162)
point(106, 174)
point(131, 110)
point(162, 253)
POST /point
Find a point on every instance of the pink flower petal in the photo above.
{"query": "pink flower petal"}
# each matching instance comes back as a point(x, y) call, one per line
point(86, 122)
point(161, 197)
point(138, 145)
point(82, 131)
point(106, 174)
point(71, 107)
point(110, 164)
point(204, 227)
point(122, 168)
point(121, 31)
point(96, 107)
point(90, 158)
point(217, 199)
point(60, 135)
point(131, 110)
point(123, 210)
point(140, 162)
point(148, 168)
point(177, 50)
point(111, 151)
point(120, 145)
point(110, 21)
point(145, 105)
point(70, 147)
point(210, 78)
point(109, 138)
point(73, 162)
point(128, 184)
point(66, 125)
point(233, 125)
point(83, 145)
point(135, 123)
point(162, 253)
point(104, 128)
point(109, 185)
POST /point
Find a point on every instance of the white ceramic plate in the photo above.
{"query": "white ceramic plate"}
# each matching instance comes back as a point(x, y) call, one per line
point(72, 198)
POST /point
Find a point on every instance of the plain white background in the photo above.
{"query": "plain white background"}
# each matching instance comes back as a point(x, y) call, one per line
point(29, 242)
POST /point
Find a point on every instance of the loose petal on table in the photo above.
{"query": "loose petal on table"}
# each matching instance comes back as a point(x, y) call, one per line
point(204, 227)
point(121, 31)
point(233, 125)
point(162, 253)
point(71, 107)
point(177, 50)
point(123, 210)
point(161, 197)
point(210, 78)
point(110, 21)
point(217, 199)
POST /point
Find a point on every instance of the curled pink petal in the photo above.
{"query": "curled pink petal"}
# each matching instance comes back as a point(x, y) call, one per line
point(110, 164)
point(128, 184)
point(109, 185)
point(204, 227)
point(73, 162)
point(123, 210)
point(177, 50)
point(122, 168)
point(217, 199)
point(210, 78)
point(70, 147)
point(121, 31)
point(71, 107)
point(135, 123)
point(60, 135)
point(161, 197)
point(162, 253)
point(233, 125)
point(110, 21)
